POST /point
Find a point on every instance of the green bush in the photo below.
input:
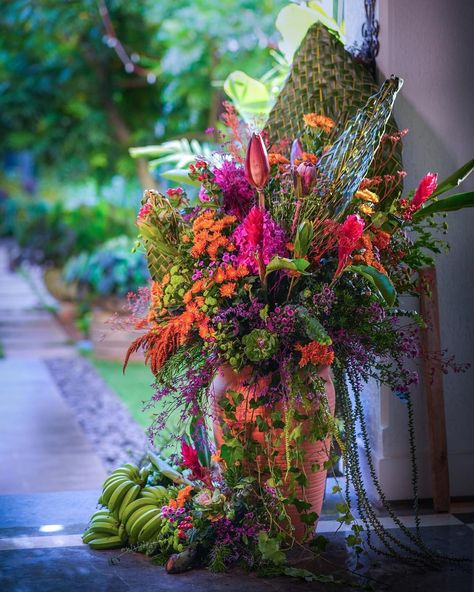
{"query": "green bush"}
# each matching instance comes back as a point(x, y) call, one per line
point(113, 269)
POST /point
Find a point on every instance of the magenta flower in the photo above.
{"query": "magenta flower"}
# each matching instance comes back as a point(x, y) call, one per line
point(424, 190)
point(350, 232)
point(259, 237)
point(236, 191)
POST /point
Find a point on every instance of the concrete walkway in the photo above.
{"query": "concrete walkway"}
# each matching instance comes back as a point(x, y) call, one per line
point(42, 448)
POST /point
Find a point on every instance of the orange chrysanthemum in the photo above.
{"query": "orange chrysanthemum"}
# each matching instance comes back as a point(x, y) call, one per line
point(227, 290)
point(315, 353)
point(277, 158)
point(319, 121)
point(366, 209)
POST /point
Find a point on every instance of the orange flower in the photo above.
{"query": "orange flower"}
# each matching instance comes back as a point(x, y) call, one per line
point(227, 290)
point(320, 121)
point(315, 353)
point(173, 504)
point(183, 495)
point(366, 195)
point(217, 457)
point(277, 158)
point(219, 276)
point(366, 209)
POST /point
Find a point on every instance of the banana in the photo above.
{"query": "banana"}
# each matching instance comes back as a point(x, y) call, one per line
point(136, 514)
point(112, 478)
point(157, 492)
point(145, 472)
point(104, 528)
point(100, 514)
point(88, 536)
point(151, 527)
point(112, 486)
point(122, 533)
point(133, 470)
point(140, 522)
point(130, 496)
point(118, 495)
point(132, 507)
point(111, 542)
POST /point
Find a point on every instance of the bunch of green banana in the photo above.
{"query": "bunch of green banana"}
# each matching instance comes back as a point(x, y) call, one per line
point(104, 532)
point(122, 487)
point(142, 518)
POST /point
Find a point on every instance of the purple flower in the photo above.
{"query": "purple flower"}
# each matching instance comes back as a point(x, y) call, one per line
point(236, 190)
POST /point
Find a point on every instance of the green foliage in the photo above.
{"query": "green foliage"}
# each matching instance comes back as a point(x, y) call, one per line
point(113, 269)
point(270, 549)
point(452, 203)
point(378, 280)
point(50, 233)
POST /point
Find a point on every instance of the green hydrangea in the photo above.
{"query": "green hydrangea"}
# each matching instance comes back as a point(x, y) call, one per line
point(260, 345)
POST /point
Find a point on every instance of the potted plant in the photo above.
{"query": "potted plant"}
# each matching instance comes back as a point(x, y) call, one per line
point(104, 278)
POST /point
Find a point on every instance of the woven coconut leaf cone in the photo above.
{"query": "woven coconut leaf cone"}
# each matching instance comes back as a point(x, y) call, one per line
point(326, 79)
point(161, 235)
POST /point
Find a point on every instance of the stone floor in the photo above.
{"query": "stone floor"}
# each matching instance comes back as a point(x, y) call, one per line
point(50, 478)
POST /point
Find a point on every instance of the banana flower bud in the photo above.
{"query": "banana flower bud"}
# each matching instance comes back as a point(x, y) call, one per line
point(257, 165)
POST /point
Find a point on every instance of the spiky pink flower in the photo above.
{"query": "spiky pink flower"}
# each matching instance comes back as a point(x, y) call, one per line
point(349, 233)
point(424, 190)
point(259, 237)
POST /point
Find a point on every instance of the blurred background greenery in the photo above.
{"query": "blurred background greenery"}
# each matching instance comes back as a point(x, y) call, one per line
point(85, 85)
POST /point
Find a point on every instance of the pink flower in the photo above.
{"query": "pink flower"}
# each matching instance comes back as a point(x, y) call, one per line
point(143, 212)
point(296, 152)
point(191, 461)
point(425, 188)
point(307, 173)
point(259, 236)
point(349, 232)
point(203, 195)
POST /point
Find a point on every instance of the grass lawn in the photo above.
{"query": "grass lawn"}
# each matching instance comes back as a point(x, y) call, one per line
point(133, 387)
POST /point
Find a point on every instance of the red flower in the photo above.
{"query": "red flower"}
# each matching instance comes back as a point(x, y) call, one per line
point(350, 232)
point(257, 165)
point(425, 188)
point(191, 461)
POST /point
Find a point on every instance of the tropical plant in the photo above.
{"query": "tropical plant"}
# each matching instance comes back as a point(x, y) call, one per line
point(112, 269)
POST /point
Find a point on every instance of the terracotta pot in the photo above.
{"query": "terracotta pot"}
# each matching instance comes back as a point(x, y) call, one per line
point(57, 287)
point(315, 452)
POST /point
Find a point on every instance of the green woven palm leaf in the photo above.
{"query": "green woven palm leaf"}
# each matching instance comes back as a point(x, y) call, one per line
point(160, 234)
point(326, 79)
point(350, 158)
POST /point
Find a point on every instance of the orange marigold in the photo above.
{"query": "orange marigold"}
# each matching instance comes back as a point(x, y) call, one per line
point(315, 353)
point(366, 209)
point(321, 121)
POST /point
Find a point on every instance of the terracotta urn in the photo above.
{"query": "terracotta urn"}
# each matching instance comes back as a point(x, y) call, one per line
point(315, 452)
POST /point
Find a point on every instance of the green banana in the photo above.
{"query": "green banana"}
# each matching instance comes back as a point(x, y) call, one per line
point(111, 542)
point(130, 496)
point(140, 523)
point(100, 514)
point(136, 514)
point(104, 527)
point(156, 491)
point(111, 488)
point(150, 528)
point(132, 507)
point(118, 495)
point(88, 536)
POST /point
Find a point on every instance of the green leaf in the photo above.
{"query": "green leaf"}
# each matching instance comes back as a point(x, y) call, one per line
point(448, 204)
point(270, 549)
point(455, 179)
point(313, 328)
point(250, 96)
point(378, 280)
point(304, 238)
point(180, 176)
point(283, 263)
point(167, 470)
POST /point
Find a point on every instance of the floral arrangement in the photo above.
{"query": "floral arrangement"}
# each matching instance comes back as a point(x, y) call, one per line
point(283, 278)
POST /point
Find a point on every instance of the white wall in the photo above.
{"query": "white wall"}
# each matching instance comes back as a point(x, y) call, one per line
point(430, 43)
